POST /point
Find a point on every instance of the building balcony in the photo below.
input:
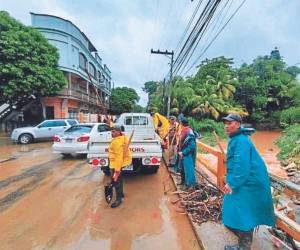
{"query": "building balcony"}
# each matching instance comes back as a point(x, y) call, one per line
point(83, 97)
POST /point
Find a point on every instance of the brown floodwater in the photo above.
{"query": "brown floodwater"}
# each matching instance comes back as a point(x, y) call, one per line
point(265, 144)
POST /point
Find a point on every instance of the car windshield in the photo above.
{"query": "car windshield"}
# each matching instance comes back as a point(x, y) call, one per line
point(80, 129)
point(72, 122)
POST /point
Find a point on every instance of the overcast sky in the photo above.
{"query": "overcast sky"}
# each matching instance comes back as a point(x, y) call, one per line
point(124, 31)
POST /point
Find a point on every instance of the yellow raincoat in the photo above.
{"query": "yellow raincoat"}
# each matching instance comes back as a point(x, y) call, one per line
point(161, 124)
point(119, 153)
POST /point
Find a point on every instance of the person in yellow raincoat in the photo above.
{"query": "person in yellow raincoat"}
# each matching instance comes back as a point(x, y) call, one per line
point(119, 156)
point(161, 124)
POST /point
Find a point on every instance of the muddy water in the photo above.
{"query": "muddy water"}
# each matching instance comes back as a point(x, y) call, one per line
point(47, 202)
point(265, 144)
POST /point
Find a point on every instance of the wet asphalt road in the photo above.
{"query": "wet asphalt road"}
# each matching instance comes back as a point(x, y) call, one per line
point(47, 202)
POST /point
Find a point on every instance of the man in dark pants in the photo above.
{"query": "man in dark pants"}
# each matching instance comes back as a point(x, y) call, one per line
point(119, 156)
point(247, 202)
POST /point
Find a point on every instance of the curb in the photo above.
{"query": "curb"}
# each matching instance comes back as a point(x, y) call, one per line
point(188, 216)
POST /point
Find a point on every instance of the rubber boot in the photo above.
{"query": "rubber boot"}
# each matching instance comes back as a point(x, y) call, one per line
point(234, 247)
point(245, 240)
point(121, 187)
point(118, 200)
point(182, 175)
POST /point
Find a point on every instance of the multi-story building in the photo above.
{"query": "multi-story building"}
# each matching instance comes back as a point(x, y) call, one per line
point(88, 80)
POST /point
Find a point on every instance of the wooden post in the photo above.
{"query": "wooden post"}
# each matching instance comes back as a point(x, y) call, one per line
point(221, 171)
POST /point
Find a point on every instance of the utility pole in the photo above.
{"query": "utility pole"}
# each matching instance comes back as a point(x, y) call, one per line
point(168, 54)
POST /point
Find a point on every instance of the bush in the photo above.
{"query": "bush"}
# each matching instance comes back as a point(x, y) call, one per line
point(257, 116)
point(287, 143)
point(206, 127)
point(290, 116)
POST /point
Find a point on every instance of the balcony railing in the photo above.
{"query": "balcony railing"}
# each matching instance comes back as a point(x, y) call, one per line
point(83, 96)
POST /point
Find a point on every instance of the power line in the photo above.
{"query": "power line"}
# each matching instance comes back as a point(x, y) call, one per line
point(215, 37)
point(189, 24)
point(199, 38)
point(196, 33)
point(216, 20)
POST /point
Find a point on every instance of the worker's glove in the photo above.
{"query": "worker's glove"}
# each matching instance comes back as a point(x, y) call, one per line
point(116, 175)
point(180, 155)
point(227, 189)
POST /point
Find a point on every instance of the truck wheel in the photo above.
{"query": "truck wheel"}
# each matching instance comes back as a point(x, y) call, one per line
point(25, 138)
point(152, 169)
point(106, 171)
point(155, 169)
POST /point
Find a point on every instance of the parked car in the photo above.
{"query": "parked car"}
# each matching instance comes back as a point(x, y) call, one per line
point(43, 131)
point(75, 139)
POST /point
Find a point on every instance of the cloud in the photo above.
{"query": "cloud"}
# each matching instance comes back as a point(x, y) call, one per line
point(125, 31)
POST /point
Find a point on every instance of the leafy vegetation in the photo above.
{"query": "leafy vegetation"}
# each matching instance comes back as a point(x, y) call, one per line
point(289, 142)
point(265, 92)
point(123, 99)
point(28, 63)
point(290, 116)
point(267, 86)
point(205, 127)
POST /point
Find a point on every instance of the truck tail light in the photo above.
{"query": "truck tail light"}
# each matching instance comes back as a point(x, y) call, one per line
point(95, 162)
point(102, 162)
point(83, 138)
point(147, 161)
point(154, 160)
point(56, 138)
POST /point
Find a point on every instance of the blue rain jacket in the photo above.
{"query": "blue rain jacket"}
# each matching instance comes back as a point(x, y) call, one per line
point(250, 203)
point(189, 151)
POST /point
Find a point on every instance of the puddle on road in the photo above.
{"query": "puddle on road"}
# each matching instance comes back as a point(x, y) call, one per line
point(137, 224)
point(65, 208)
point(11, 151)
point(166, 236)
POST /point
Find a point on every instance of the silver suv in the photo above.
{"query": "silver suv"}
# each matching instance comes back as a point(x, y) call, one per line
point(43, 131)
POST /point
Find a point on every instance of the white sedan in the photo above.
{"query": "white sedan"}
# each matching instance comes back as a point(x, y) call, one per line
point(75, 139)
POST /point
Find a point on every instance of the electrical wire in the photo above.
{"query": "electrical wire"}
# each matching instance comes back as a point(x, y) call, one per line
point(213, 23)
point(215, 37)
point(196, 34)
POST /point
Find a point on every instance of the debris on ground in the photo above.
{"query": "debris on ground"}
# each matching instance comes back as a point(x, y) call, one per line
point(283, 241)
point(203, 203)
point(292, 168)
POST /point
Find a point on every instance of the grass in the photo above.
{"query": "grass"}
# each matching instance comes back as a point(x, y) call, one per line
point(206, 127)
point(288, 142)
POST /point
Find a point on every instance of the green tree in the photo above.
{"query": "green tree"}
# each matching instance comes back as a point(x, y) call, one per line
point(138, 109)
point(28, 63)
point(209, 92)
point(150, 87)
point(157, 99)
point(123, 99)
point(266, 87)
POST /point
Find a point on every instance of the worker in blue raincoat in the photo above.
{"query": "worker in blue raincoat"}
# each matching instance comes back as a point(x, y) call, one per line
point(247, 201)
point(187, 155)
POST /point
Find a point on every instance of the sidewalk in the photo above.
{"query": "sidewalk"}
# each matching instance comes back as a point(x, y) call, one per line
point(214, 236)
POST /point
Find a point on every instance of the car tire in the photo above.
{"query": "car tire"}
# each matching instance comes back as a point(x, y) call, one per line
point(25, 138)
